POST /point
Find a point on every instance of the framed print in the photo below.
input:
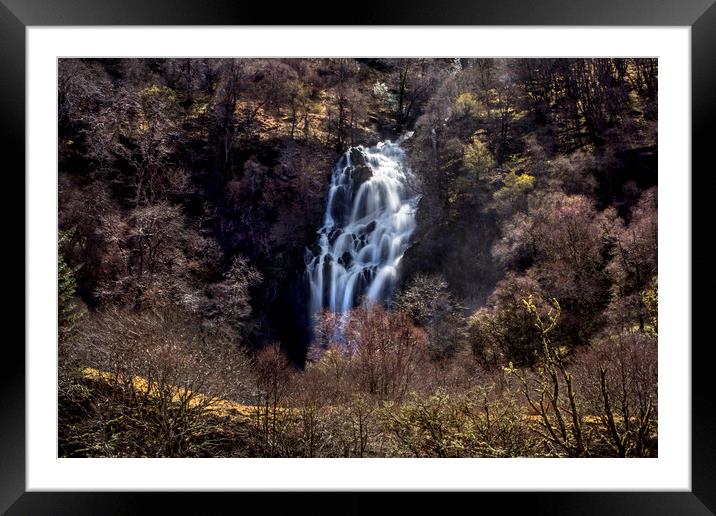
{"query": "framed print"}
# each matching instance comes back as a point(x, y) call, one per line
point(419, 252)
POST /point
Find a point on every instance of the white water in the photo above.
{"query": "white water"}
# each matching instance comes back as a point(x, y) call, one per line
point(366, 230)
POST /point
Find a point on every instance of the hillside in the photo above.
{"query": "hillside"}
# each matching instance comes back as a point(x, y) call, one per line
point(242, 228)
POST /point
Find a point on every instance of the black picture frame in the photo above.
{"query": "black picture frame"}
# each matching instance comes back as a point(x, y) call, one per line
point(17, 15)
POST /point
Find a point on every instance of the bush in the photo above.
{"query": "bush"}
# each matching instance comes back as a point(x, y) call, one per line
point(617, 380)
point(502, 331)
point(471, 424)
point(429, 302)
point(154, 389)
point(369, 350)
point(602, 403)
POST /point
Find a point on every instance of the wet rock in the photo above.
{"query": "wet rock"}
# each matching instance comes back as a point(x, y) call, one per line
point(361, 171)
point(361, 174)
point(335, 233)
point(356, 156)
point(346, 259)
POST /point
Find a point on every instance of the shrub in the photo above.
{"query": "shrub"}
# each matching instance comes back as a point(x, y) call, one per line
point(155, 389)
point(429, 302)
point(470, 424)
point(502, 331)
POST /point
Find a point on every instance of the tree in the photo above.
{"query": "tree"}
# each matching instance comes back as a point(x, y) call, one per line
point(94, 230)
point(513, 194)
point(502, 330)
point(344, 108)
point(375, 351)
point(560, 421)
point(431, 305)
point(223, 119)
point(299, 93)
point(152, 388)
point(225, 306)
point(386, 351)
point(634, 262)
point(273, 377)
point(68, 311)
point(416, 81)
point(617, 381)
point(564, 240)
point(153, 245)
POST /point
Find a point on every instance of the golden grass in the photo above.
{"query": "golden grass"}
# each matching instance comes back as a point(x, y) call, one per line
point(216, 406)
point(227, 408)
point(589, 420)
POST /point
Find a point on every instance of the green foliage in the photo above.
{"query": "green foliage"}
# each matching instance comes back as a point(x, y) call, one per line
point(503, 330)
point(467, 104)
point(298, 89)
point(650, 299)
point(67, 310)
point(514, 189)
point(157, 114)
point(156, 91)
point(385, 96)
point(470, 424)
point(473, 180)
point(478, 158)
point(429, 427)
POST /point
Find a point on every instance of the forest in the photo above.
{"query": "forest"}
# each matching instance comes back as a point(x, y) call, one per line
point(375, 257)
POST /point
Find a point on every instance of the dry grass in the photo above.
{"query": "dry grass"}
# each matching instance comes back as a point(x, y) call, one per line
point(219, 407)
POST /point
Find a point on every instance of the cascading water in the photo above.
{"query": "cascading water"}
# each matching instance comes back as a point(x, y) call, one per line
point(369, 219)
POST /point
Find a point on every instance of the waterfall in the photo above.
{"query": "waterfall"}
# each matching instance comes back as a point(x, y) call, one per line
point(369, 219)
